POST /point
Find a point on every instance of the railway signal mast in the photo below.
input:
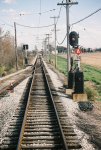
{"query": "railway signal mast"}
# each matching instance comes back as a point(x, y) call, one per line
point(67, 4)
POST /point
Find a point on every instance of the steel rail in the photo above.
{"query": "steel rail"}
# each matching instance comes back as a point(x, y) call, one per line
point(60, 127)
point(53, 104)
point(4, 88)
point(25, 116)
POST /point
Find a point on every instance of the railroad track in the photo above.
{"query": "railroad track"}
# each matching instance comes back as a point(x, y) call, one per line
point(15, 80)
point(45, 125)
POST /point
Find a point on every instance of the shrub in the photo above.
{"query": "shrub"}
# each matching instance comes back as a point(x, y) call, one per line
point(91, 93)
point(2, 69)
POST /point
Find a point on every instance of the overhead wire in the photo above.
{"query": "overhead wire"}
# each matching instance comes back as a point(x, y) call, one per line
point(56, 21)
point(48, 11)
point(38, 13)
point(35, 27)
point(79, 22)
point(56, 24)
point(62, 40)
point(86, 17)
point(59, 13)
point(7, 23)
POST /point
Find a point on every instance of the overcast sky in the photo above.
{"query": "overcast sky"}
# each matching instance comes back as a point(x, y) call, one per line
point(36, 13)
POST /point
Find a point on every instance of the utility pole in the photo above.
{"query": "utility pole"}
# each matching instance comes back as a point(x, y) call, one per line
point(68, 2)
point(48, 37)
point(1, 46)
point(45, 48)
point(55, 39)
point(16, 54)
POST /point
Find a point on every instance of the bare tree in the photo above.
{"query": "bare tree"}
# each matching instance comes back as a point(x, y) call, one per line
point(7, 55)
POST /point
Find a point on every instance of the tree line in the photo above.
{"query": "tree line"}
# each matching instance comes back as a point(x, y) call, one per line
point(7, 54)
point(62, 49)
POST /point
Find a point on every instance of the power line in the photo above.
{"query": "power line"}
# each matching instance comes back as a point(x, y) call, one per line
point(62, 40)
point(86, 17)
point(47, 11)
point(34, 27)
point(59, 13)
point(7, 23)
point(57, 22)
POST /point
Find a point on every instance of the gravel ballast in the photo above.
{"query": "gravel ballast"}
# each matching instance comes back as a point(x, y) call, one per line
point(8, 105)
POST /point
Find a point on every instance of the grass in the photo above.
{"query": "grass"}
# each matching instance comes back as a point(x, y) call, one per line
point(61, 64)
point(1, 70)
point(90, 74)
point(6, 70)
point(92, 94)
point(94, 75)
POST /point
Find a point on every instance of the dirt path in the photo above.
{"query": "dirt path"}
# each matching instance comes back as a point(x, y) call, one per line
point(93, 59)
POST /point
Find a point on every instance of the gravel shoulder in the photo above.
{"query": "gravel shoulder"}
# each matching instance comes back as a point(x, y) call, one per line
point(90, 123)
point(87, 125)
point(8, 105)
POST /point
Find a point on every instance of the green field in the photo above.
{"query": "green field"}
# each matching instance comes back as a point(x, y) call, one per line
point(90, 74)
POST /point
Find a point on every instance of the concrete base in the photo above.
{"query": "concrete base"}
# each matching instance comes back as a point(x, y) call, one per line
point(79, 97)
point(69, 91)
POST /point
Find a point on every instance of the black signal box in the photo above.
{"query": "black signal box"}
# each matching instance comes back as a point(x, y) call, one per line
point(73, 39)
point(25, 47)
